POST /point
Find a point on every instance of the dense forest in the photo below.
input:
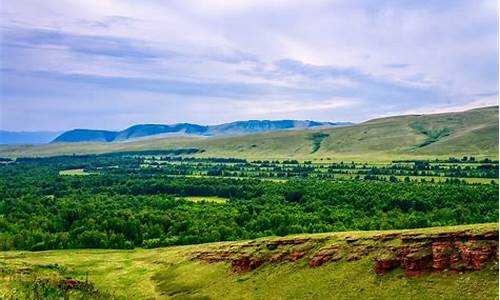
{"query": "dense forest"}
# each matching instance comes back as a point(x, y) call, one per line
point(129, 200)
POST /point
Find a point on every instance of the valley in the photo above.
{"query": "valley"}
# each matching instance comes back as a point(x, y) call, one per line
point(249, 150)
point(384, 209)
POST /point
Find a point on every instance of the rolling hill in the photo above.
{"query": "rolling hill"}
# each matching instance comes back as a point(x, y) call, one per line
point(79, 135)
point(153, 130)
point(471, 133)
point(307, 266)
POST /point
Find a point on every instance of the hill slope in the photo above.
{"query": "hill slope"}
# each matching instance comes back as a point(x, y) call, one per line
point(138, 131)
point(315, 266)
point(78, 135)
point(471, 133)
point(146, 130)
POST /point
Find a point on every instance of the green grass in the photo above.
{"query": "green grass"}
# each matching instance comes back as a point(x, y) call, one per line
point(471, 133)
point(170, 273)
point(214, 200)
point(75, 172)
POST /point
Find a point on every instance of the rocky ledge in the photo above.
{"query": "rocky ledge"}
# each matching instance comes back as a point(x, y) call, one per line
point(455, 251)
point(415, 253)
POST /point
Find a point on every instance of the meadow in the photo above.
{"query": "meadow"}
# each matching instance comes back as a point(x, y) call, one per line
point(172, 273)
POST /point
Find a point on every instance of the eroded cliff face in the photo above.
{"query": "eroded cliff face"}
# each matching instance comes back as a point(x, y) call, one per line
point(415, 253)
point(455, 251)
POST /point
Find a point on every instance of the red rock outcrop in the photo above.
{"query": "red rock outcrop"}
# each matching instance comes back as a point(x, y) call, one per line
point(441, 255)
point(385, 237)
point(296, 241)
point(245, 263)
point(495, 252)
point(382, 266)
point(418, 263)
point(279, 257)
point(420, 254)
point(415, 253)
point(475, 254)
point(287, 256)
point(359, 251)
point(481, 253)
point(324, 256)
point(296, 255)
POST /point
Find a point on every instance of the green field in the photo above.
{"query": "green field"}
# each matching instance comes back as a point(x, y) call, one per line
point(171, 273)
point(74, 172)
point(471, 133)
point(214, 200)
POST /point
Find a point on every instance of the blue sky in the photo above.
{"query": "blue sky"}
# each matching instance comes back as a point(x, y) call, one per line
point(112, 63)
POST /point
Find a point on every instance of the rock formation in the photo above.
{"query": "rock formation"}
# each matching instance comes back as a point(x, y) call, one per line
point(415, 253)
point(457, 251)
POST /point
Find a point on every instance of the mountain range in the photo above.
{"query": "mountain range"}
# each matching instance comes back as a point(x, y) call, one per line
point(160, 130)
point(471, 133)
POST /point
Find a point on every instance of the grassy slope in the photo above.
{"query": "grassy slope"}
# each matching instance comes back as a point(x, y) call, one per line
point(169, 273)
point(474, 132)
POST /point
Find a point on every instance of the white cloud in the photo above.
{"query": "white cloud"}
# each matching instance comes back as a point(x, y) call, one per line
point(449, 49)
point(281, 107)
point(477, 102)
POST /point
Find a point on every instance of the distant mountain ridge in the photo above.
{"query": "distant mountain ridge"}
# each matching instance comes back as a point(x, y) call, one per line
point(147, 130)
point(429, 136)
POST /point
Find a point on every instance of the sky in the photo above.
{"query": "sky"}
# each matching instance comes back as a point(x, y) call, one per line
point(113, 63)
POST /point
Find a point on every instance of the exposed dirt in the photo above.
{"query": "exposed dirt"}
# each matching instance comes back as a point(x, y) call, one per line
point(415, 253)
point(456, 251)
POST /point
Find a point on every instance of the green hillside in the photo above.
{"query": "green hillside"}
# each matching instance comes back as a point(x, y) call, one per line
point(472, 133)
point(292, 267)
point(86, 134)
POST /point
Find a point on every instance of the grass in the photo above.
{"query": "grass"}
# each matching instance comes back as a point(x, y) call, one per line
point(169, 273)
point(471, 133)
point(75, 172)
point(350, 280)
point(213, 200)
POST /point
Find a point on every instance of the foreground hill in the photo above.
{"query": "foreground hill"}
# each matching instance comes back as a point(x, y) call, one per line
point(471, 133)
point(153, 130)
point(459, 262)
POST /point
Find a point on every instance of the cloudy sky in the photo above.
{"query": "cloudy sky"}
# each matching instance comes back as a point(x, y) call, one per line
point(113, 63)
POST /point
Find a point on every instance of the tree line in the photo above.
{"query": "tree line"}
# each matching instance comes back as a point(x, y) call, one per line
point(122, 207)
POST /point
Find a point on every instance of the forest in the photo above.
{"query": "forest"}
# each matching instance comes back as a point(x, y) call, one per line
point(136, 199)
